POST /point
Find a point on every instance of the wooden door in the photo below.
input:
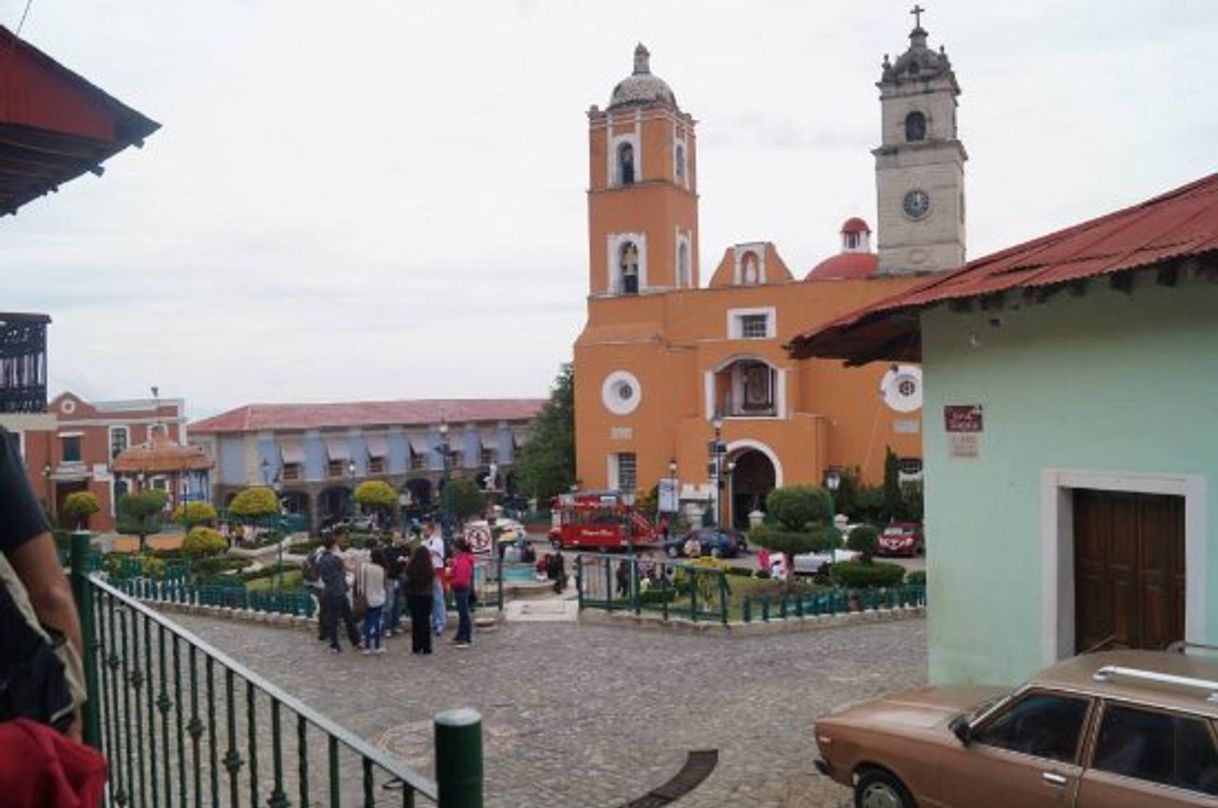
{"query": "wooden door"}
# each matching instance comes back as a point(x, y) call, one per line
point(1128, 569)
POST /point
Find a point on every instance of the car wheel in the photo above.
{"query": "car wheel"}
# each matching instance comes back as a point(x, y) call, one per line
point(877, 788)
point(672, 551)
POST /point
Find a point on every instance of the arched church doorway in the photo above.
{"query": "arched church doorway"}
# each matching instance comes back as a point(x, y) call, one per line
point(753, 478)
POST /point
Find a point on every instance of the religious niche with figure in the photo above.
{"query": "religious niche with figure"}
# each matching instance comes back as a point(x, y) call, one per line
point(629, 266)
point(625, 164)
point(750, 270)
point(757, 387)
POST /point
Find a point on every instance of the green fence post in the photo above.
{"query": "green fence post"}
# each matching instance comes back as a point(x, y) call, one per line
point(499, 575)
point(79, 559)
point(609, 593)
point(723, 592)
point(664, 590)
point(693, 593)
point(634, 584)
point(459, 759)
point(746, 610)
point(579, 581)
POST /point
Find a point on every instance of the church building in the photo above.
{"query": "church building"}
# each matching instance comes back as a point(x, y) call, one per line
point(679, 381)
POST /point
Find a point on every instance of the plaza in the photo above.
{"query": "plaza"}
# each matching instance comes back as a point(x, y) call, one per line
point(596, 716)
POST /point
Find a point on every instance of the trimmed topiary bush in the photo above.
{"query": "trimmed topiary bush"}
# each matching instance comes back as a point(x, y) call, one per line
point(916, 578)
point(858, 575)
point(204, 541)
point(79, 506)
point(195, 513)
point(797, 506)
point(863, 540)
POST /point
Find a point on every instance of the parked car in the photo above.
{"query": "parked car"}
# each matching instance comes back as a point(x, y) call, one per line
point(901, 539)
point(1119, 728)
point(717, 542)
point(813, 563)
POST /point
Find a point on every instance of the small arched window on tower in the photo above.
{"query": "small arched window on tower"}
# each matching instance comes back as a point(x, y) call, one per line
point(680, 158)
point(629, 264)
point(683, 279)
point(852, 241)
point(625, 164)
point(915, 126)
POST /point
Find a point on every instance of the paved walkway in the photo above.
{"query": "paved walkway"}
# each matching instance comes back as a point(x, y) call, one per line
point(591, 715)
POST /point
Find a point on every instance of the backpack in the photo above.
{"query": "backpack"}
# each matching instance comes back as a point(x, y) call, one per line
point(312, 569)
point(33, 682)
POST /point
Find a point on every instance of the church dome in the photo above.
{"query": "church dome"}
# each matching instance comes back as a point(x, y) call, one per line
point(641, 87)
point(855, 225)
point(844, 267)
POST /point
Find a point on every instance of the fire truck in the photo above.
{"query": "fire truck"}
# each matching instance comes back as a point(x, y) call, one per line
point(598, 520)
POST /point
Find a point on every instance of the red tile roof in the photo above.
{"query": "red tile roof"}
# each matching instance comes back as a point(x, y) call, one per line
point(257, 417)
point(845, 266)
point(855, 225)
point(162, 455)
point(1177, 225)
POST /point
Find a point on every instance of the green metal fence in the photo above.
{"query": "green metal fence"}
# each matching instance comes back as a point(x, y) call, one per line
point(673, 589)
point(183, 724)
point(831, 601)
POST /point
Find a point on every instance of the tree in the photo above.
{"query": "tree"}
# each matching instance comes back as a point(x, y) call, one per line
point(805, 522)
point(546, 466)
point(195, 513)
point(377, 496)
point(140, 513)
point(78, 507)
point(463, 498)
point(204, 541)
point(863, 540)
point(254, 504)
point(892, 485)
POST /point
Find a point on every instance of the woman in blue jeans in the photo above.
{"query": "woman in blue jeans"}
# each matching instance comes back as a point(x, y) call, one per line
point(372, 584)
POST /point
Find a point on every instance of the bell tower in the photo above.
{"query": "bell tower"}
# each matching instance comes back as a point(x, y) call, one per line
point(642, 189)
point(919, 165)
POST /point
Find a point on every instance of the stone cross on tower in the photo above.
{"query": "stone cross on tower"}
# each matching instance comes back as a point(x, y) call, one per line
point(917, 11)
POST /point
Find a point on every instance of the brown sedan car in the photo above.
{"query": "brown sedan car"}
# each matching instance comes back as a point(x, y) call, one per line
point(1120, 729)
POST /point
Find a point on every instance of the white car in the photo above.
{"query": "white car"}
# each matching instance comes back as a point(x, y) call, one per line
point(811, 563)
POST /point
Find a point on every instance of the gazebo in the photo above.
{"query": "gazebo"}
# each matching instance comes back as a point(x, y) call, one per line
point(181, 471)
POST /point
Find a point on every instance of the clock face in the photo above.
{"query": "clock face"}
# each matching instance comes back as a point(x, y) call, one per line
point(916, 203)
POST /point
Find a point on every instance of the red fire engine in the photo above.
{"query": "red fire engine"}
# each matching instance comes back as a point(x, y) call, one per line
point(598, 520)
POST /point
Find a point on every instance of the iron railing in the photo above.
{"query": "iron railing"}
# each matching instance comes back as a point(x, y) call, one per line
point(181, 723)
point(674, 589)
point(678, 590)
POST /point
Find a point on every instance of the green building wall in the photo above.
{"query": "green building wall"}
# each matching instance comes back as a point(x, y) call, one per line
point(1106, 382)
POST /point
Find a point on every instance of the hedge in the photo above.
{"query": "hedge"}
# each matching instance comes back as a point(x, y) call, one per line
point(916, 578)
point(857, 575)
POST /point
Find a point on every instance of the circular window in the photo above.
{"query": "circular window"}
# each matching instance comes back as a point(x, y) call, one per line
point(901, 388)
point(68, 406)
point(621, 392)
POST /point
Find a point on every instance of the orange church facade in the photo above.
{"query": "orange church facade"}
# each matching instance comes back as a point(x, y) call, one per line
point(663, 362)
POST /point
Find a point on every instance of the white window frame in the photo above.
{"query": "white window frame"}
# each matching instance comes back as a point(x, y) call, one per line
point(735, 322)
point(80, 436)
point(740, 250)
point(1057, 547)
point(614, 460)
point(615, 243)
point(615, 142)
point(110, 445)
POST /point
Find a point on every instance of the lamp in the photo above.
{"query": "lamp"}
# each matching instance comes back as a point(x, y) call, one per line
point(444, 460)
point(833, 481)
point(672, 468)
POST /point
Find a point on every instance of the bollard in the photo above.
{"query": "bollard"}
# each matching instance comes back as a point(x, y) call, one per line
point(459, 758)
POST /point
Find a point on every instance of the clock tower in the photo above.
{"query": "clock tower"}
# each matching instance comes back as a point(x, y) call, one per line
point(919, 165)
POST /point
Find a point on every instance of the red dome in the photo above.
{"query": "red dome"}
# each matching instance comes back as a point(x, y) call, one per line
point(845, 266)
point(855, 225)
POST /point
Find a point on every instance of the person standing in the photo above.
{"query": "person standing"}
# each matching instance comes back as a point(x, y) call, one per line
point(435, 546)
point(372, 584)
point(336, 606)
point(463, 585)
point(395, 567)
point(420, 575)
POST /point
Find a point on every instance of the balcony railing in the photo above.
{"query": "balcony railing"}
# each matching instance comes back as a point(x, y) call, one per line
point(183, 724)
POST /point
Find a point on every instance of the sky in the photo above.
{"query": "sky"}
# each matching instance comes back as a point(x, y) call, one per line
point(386, 200)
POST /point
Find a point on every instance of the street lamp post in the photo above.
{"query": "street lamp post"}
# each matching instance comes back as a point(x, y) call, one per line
point(445, 531)
point(715, 467)
point(728, 511)
point(833, 481)
point(676, 499)
point(351, 474)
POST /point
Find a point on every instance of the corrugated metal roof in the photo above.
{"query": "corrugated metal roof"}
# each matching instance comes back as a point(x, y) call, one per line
point(1178, 224)
point(257, 417)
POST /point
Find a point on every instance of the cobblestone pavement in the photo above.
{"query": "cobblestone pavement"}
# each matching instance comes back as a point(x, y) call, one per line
point(591, 715)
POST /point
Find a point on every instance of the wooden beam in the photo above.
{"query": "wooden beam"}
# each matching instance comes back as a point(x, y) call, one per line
point(1121, 282)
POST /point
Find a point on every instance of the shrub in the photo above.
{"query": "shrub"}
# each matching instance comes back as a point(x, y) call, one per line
point(657, 595)
point(916, 578)
point(743, 572)
point(795, 507)
point(195, 513)
point(816, 540)
point(376, 495)
point(857, 575)
point(79, 506)
point(863, 540)
point(204, 541)
point(140, 512)
point(254, 503)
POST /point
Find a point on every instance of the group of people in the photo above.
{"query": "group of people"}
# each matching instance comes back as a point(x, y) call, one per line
point(378, 585)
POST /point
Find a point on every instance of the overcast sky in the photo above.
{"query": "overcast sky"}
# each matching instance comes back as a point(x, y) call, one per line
point(377, 200)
